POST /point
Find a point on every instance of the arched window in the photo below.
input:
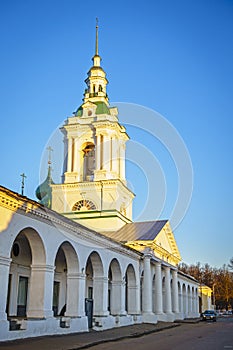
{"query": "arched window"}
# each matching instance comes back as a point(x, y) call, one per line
point(83, 205)
point(88, 162)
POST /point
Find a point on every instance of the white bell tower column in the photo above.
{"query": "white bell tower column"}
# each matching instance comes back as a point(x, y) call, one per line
point(94, 188)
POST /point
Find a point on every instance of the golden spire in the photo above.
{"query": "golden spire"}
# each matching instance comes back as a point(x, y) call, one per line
point(96, 80)
point(96, 38)
point(96, 59)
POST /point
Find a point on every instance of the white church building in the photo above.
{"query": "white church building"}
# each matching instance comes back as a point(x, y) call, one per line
point(75, 260)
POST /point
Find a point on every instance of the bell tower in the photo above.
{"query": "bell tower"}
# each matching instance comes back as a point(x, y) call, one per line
point(94, 189)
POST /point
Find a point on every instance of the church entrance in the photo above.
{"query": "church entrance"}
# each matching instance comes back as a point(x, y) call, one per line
point(89, 311)
point(56, 287)
point(22, 296)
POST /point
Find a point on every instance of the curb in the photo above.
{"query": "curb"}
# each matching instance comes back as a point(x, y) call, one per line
point(191, 320)
point(121, 337)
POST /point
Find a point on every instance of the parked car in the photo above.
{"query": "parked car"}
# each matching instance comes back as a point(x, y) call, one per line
point(219, 313)
point(209, 315)
point(226, 313)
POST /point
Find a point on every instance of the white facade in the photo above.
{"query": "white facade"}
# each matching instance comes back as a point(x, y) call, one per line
point(49, 265)
point(58, 276)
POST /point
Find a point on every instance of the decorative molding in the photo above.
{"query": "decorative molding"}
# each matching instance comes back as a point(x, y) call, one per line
point(23, 205)
point(5, 261)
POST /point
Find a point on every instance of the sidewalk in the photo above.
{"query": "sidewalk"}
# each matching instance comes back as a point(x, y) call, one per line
point(85, 340)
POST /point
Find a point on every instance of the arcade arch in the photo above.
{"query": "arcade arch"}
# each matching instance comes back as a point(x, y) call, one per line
point(96, 283)
point(66, 284)
point(130, 290)
point(115, 284)
point(28, 263)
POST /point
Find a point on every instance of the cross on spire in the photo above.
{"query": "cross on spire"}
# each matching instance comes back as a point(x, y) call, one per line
point(50, 150)
point(22, 183)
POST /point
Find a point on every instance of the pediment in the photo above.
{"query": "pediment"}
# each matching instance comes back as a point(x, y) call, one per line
point(89, 109)
point(166, 240)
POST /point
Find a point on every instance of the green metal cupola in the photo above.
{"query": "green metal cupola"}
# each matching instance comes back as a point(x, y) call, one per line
point(44, 190)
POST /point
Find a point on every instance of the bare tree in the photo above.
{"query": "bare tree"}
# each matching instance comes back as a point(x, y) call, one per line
point(230, 265)
point(220, 279)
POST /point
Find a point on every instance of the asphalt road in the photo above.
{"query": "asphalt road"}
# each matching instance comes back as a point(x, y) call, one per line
point(201, 336)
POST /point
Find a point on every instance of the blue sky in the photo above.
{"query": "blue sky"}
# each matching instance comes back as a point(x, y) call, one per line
point(171, 56)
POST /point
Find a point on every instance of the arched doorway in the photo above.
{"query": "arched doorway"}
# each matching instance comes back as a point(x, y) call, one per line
point(141, 290)
point(193, 300)
point(196, 301)
point(184, 295)
point(96, 284)
point(114, 288)
point(130, 290)
point(180, 297)
point(153, 293)
point(27, 276)
point(163, 294)
point(65, 288)
point(189, 297)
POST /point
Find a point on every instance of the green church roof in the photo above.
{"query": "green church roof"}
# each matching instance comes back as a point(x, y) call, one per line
point(44, 190)
point(102, 108)
point(79, 112)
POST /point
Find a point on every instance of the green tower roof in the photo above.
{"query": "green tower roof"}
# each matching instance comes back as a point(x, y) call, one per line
point(102, 108)
point(44, 190)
